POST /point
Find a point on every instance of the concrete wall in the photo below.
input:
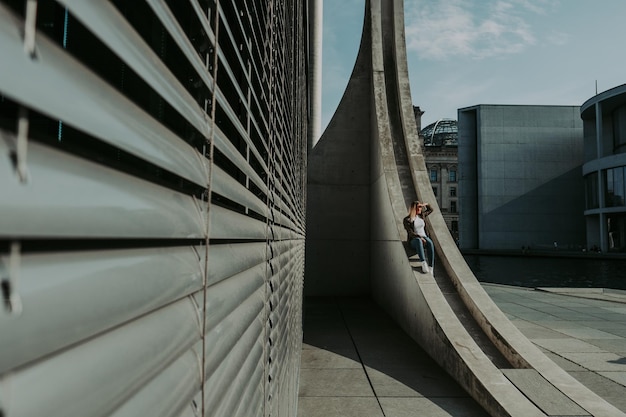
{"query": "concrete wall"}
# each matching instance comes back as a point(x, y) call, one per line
point(526, 161)
point(338, 194)
point(468, 181)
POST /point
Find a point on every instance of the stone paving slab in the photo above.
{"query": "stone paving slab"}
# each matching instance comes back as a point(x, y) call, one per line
point(357, 362)
point(431, 407)
point(339, 407)
point(334, 382)
point(319, 358)
point(549, 399)
point(411, 382)
point(566, 345)
point(585, 332)
point(596, 362)
point(603, 294)
point(618, 377)
point(587, 339)
point(366, 366)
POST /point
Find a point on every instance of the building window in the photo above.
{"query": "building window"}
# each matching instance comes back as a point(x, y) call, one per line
point(591, 191)
point(435, 191)
point(619, 130)
point(614, 190)
point(452, 206)
point(452, 191)
point(433, 175)
point(616, 226)
point(455, 226)
point(452, 175)
point(618, 180)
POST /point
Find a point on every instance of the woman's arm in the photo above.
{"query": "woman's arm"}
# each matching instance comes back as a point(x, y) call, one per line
point(428, 209)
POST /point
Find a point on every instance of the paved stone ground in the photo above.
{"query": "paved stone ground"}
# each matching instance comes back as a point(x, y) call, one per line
point(357, 362)
point(582, 330)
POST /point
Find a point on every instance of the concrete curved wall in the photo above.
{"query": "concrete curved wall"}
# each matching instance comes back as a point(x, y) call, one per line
point(451, 316)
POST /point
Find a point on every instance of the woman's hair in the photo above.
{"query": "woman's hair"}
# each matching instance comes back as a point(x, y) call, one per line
point(413, 209)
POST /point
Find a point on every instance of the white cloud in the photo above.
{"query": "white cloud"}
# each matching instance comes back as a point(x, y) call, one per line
point(558, 38)
point(441, 29)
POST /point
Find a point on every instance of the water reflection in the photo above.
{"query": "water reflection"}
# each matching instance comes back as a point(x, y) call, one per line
point(530, 271)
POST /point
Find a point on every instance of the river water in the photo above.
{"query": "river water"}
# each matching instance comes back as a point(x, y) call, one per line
point(528, 271)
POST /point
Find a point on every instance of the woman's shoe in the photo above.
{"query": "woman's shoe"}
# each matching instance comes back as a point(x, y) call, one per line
point(425, 268)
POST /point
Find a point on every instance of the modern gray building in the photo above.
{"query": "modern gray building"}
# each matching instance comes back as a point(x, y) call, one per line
point(604, 125)
point(520, 177)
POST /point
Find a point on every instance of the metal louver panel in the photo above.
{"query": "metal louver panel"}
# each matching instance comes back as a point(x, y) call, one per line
point(70, 297)
point(168, 392)
point(110, 26)
point(227, 186)
point(114, 357)
point(152, 200)
point(39, 83)
point(226, 224)
point(224, 146)
point(247, 255)
point(67, 194)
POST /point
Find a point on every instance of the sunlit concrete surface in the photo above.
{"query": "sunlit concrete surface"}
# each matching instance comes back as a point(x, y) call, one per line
point(582, 330)
point(357, 362)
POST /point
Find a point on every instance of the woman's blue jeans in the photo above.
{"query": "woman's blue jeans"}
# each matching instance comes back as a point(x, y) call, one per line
point(419, 247)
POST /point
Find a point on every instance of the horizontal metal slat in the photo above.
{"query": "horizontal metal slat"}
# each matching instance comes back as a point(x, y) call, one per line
point(89, 104)
point(282, 220)
point(94, 378)
point(283, 259)
point(227, 260)
point(251, 402)
point(242, 378)
point(227, 148)
point(223, 102)
point(221, 339)
point(278, 232)
point(223, 298)
point(103, 19)
point(190, 411)
point(249, 349)
point(202, 16)
point(170, 391)
point(226, 224)
point(225, 185)
point(68, 297)
point(177, 33)
point(226, 67)
point(280, 246)
point(68, 196)
point(164, 14)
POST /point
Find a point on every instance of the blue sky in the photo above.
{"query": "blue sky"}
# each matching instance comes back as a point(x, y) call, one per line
point(467, 52)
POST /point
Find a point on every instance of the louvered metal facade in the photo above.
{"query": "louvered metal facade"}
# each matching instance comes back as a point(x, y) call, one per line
point(152, 206)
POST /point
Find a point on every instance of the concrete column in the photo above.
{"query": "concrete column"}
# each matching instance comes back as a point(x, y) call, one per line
point(316, 16)
point(601, 197)
point(599, 133)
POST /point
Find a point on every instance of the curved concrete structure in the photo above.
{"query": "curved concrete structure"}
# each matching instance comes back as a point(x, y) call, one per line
point(362, 174)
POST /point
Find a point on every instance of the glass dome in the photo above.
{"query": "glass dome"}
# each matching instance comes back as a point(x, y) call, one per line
point(443, 132)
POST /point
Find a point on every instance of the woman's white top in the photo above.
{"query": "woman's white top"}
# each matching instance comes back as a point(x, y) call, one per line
point(419, 226)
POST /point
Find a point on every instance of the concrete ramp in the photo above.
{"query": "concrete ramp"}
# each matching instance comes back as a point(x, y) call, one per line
point(362, 174)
